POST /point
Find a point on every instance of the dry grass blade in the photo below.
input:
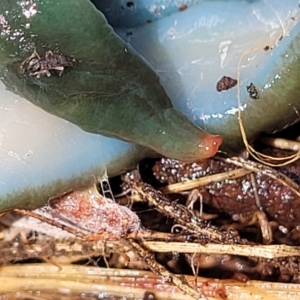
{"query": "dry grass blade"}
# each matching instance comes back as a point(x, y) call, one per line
point(280, 143)
point(196, 183)
point(265, 251)
point(47, 280)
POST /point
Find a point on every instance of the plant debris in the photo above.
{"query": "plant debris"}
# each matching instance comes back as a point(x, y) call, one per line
point(177, 219)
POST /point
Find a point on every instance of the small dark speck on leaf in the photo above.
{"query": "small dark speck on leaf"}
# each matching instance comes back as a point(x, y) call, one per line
point(157, 11)
point(182, 7)
point(225, 83)
point(252, 91)
point(130, 4)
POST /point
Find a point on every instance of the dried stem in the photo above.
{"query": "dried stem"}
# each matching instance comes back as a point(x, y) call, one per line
point(203, 181)
point(264, 251)
point(51, 281)
point(182, 215)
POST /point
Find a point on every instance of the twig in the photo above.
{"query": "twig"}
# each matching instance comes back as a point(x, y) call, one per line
point(203, 181)
point(183, 216)
point(264, 251)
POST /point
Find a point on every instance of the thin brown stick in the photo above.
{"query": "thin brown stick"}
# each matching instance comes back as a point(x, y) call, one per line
point(199, 182)
point(182, 215)
point(264, 251)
